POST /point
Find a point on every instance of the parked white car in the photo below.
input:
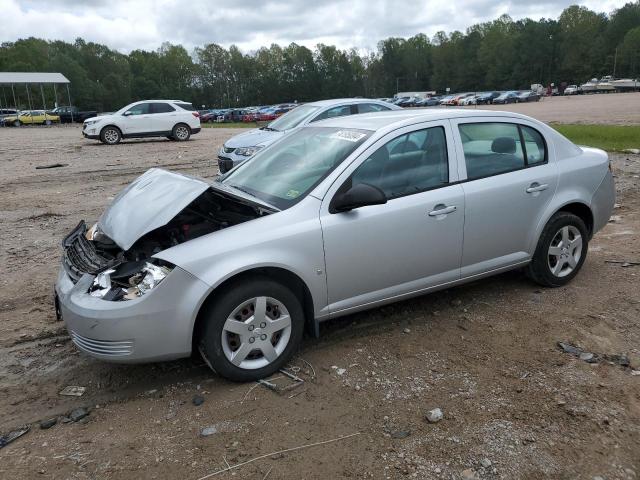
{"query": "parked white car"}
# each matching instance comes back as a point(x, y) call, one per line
point(174, 119)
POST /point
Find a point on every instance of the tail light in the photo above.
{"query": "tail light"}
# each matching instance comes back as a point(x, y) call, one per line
point(195, 114)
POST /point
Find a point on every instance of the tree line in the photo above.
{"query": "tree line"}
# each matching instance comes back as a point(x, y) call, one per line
point(500, 54)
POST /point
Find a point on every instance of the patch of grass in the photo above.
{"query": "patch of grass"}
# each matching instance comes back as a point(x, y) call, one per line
point(613, 138)
point(229, 125)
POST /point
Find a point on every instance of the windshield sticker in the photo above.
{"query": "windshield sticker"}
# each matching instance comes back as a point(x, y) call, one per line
point(293, 194)
point(349, 135)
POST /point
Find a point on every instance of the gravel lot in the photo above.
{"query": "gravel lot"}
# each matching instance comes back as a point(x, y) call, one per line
point(515, 406)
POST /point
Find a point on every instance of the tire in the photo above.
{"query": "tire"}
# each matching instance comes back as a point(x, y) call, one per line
point(47, 122)
point(557, 267)
point(16, 123)
point(218, 344)
point(181, 132)
point(110, 135)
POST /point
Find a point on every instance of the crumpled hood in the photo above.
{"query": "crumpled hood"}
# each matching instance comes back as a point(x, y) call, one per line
point(252, 138)
point(150, 202)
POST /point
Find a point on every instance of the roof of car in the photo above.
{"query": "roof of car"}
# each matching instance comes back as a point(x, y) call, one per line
point(337, 101)
point(378, 120)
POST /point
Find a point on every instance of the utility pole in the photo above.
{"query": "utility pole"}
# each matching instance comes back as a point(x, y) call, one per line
point(615, 62)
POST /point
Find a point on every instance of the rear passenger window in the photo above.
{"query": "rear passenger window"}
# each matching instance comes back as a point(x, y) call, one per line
point(491, 148)
point(161, 108)
point(186, 106)
point(410, 163)
point(370, 107)
point(534, 146)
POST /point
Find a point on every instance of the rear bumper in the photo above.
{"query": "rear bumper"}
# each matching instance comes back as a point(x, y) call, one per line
point(156, 326)
point(603, 201)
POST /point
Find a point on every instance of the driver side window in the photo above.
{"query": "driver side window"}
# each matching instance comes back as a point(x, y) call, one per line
point(411, 163)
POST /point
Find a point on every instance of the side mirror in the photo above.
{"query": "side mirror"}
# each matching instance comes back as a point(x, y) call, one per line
point(127, 113)
point(361, 195)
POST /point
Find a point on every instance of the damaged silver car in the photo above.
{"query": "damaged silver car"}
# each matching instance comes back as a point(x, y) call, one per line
point(337, 217)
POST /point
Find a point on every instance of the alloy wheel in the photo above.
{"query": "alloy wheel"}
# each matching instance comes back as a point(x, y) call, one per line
point(182, 133)
point(565, 251)
point(111, 135)
point(256, 333)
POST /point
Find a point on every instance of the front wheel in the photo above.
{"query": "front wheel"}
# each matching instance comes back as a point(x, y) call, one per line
point(110, 135)
point(251, 329)
point(16, 123)
point(561, 251)
point(181, 132)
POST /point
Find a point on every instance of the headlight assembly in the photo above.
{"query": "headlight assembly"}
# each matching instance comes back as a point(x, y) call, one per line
point(129, 280)
point(248, 151)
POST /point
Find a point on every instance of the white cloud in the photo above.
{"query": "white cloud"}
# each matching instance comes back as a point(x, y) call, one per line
point(250, 24)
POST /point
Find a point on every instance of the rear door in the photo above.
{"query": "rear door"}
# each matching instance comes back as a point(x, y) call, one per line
point(412, 242)
point(162, 117)
point(509, 176)
point(136, 120)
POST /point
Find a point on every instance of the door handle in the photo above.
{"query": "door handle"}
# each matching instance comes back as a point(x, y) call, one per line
point(442, 209)
point(537, 187)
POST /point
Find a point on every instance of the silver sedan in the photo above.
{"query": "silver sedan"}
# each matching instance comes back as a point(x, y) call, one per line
point(336, 217)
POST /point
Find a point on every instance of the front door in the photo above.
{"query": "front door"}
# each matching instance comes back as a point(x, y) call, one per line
point(137, 120)
point(409, 244)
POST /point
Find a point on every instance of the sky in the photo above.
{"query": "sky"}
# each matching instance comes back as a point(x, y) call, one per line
point(250, 24)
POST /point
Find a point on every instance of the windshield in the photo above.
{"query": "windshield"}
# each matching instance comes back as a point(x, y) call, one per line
point(286, 171)
point(292, 119)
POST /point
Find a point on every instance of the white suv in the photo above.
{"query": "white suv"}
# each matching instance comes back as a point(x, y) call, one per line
point(174, 119)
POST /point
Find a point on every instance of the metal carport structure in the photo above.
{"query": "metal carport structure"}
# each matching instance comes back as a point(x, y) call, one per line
point(33, 78)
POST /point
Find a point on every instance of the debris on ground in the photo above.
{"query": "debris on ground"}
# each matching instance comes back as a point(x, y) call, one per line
point(469, 474)
point(197, 400)
point(53, 165)
point(591, 357)
point(73, 391)
point(623, 263)
point(208, 431)
point(78, 414)
point(485, 462)
point(13, 435)
point(45, 424)
point(434, 416)
point(406, 330)
point(291, 381)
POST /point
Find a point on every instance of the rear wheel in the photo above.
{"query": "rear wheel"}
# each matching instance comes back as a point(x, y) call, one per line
point(16, 123)
point(110, 135)
point(561, 251)
point(181, 132)
point(251, 329)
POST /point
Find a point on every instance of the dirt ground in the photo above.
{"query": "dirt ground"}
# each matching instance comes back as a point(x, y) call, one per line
point(514, 405)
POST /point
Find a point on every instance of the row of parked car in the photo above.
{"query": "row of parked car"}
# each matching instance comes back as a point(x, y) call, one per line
point(11, 117)
point(246, 114)
point(468, 98)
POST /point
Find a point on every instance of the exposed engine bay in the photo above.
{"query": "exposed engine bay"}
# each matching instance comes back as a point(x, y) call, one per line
point(128, 274)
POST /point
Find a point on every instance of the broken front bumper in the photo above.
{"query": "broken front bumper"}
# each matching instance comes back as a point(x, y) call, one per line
point(156, 326)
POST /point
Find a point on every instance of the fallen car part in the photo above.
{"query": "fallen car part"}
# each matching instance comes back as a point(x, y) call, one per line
point(73, 391)
point(13, 435)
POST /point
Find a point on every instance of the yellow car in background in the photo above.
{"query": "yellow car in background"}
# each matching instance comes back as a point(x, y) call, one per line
point(31, 117)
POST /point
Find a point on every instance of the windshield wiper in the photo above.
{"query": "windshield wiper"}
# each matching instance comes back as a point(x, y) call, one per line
point(243, 190)
point(269, 129)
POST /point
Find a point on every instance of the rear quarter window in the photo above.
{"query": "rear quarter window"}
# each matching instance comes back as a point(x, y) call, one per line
point(186, 106)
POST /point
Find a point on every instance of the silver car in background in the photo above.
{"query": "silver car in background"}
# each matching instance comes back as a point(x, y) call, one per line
point(339, 216)
point(241, 147)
